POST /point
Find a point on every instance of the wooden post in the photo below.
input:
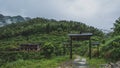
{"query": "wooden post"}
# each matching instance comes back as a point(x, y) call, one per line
point(64, 50)
point(70, 47)
point(98, 50)
point(89, 48)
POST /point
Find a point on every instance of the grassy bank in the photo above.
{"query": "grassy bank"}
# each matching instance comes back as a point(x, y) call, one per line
point(96, 62)
point(43, 63)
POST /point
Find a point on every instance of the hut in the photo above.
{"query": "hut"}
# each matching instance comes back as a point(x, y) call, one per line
point(29, 47)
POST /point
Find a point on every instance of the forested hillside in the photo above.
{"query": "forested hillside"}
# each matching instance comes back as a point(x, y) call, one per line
point(59, 34)
point(45, 26)
point(51, 34)
point(40, 27)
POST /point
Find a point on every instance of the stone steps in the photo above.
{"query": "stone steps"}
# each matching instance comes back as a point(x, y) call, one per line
point(80, 63)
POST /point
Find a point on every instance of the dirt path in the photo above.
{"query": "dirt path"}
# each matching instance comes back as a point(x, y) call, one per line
point(78, 62)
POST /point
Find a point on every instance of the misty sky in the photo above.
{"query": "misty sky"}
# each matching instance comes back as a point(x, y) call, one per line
point(98, 13)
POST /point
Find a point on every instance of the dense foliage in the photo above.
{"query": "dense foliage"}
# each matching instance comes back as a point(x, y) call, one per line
point(42, 26)
point(43, 63)
point(116, 27)
point(49, 32)
point(52, 35)
point(111, 49)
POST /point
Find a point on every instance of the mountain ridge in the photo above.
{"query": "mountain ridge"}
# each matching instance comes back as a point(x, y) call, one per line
point(5, 20)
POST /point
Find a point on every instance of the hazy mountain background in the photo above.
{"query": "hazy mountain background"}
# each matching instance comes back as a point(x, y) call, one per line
point(4, 20)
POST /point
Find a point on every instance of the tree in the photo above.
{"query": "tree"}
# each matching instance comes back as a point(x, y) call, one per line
point(116, 27)
point(48, 49)
point(48, 28)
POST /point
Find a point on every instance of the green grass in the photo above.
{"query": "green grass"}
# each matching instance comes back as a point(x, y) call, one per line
point(96, 62)
point(43, 63)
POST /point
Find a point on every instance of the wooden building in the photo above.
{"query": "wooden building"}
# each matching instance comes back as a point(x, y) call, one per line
point(29, 47)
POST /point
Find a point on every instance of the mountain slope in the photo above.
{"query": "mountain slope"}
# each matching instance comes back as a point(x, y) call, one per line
point(46, 26)
point(41, 30)
point(47, 32)
point(4, 20)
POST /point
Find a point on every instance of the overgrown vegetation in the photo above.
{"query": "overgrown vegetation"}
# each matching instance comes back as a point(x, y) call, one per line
point(43, 63)
point(51, 34)
point(45, 26)
point(96, 62)
point(111, 49)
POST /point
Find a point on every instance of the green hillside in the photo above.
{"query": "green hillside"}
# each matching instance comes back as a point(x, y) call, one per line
point(41, 30)
point(51, 34)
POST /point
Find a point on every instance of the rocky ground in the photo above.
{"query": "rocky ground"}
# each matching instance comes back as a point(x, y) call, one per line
point(111, 65)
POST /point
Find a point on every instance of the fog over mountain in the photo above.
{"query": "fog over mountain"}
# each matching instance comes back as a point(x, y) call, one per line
point(4, 20)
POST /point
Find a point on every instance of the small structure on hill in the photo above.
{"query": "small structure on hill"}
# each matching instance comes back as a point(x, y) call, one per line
point(29, 47)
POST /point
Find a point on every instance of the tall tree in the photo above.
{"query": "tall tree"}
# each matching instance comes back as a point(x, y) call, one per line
point(117, 27)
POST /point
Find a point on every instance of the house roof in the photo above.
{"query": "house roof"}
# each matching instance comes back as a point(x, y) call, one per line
point(82, 34)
